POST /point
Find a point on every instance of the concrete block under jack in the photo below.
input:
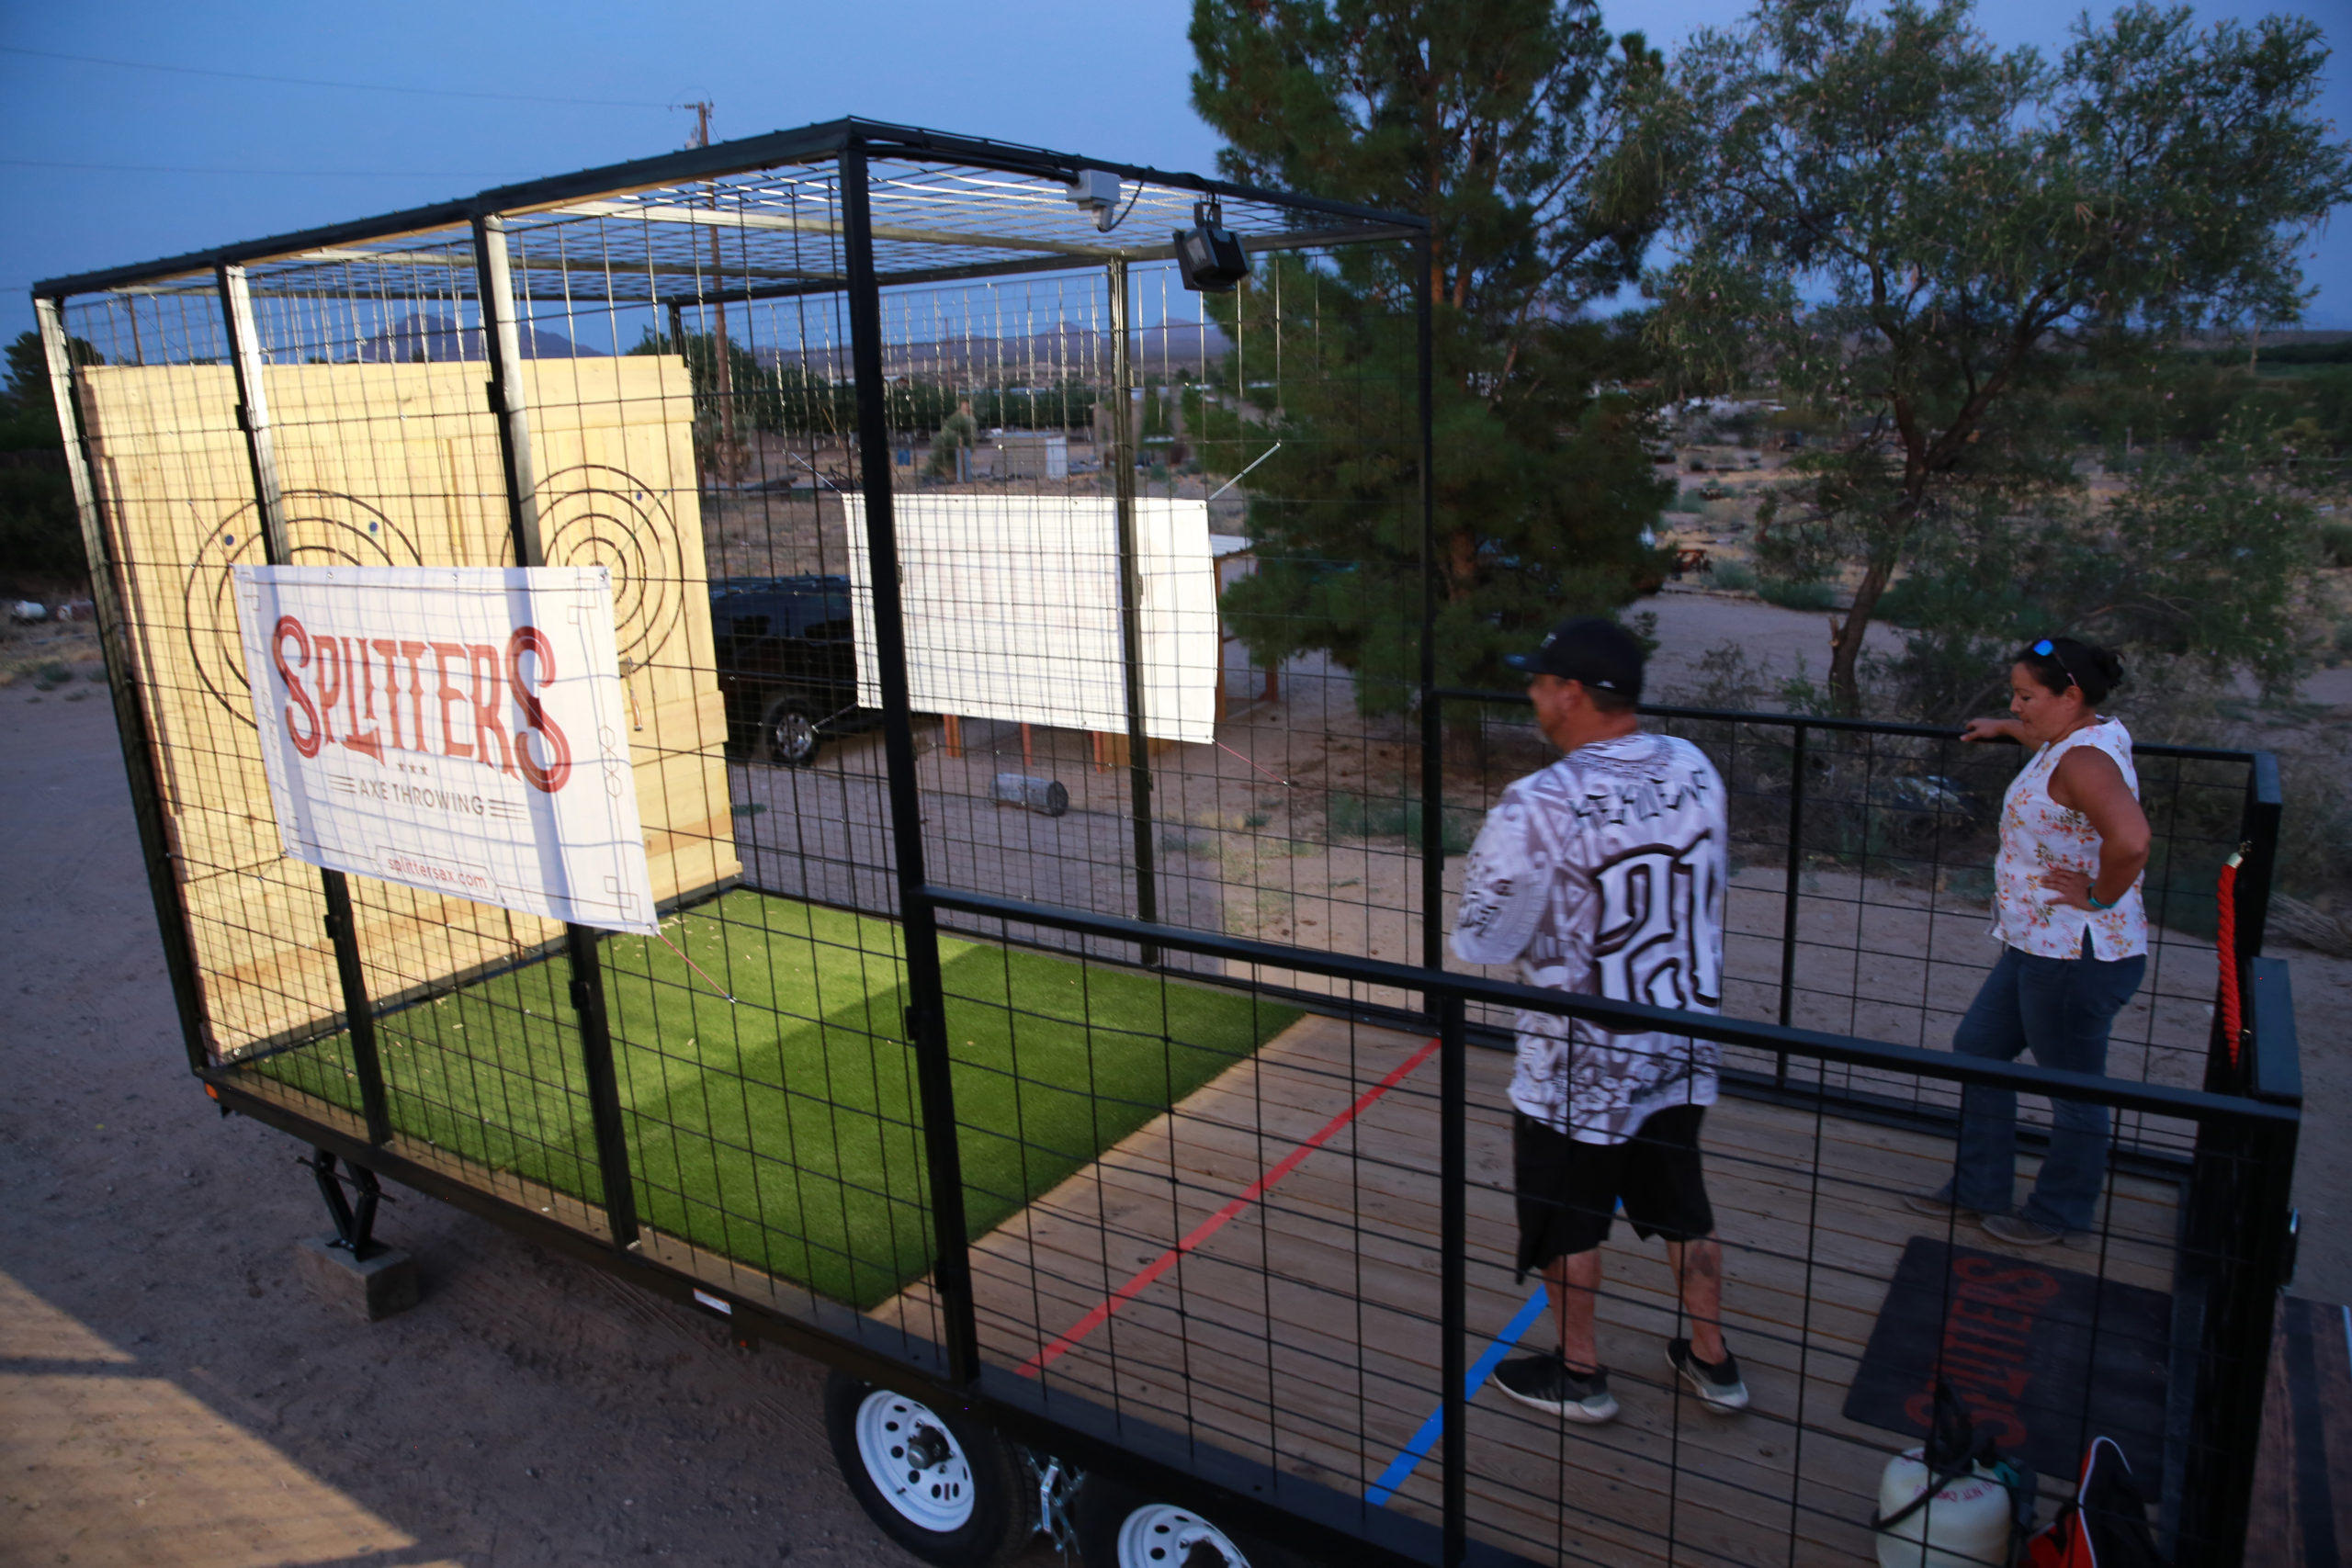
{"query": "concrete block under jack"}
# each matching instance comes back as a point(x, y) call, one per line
point(375, 1287)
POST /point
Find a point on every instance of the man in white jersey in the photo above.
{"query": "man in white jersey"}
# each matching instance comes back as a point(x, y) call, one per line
point(1603, 874)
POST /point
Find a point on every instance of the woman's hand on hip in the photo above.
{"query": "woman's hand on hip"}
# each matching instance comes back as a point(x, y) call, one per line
point(2072, 887)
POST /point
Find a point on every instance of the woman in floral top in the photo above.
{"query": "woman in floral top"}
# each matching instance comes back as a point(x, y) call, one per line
point(2074, 935)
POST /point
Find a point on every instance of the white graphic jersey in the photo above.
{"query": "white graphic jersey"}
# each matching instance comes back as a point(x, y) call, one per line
point(1604, 875)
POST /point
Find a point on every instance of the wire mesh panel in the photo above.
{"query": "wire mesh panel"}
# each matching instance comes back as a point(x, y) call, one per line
point(1263, 1267)
point(1859, 901)
point(1022, 662)
point(167, 459)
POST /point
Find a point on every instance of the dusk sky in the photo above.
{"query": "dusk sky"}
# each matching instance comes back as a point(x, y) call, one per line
point(108, 163)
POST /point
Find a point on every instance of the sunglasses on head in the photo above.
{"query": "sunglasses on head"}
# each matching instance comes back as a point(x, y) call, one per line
point(2046, 649)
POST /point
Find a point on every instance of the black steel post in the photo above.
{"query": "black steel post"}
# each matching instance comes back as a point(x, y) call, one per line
point(1123, 492)
point(365, 1064)
point(926, 1017)
point(582, 945)
point(1432, 711)
point(1454, 1232)
point(147, 799)
point(1795, 864)
point(2245, 1174)
point(494, 288)
point(245, 359)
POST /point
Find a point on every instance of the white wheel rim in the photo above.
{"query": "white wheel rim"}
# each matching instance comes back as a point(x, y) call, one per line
point(1161, 1535)
point(937, 1495)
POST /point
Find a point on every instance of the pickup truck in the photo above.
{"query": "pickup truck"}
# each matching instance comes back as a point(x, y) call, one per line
point(785, 664)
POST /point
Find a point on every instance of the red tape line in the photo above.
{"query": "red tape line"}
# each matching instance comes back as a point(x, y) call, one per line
point(1217, 1222)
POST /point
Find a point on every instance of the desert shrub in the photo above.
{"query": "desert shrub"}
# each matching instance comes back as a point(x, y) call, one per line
point(2336, 542)
point(1791, 593)
point(1354, 815)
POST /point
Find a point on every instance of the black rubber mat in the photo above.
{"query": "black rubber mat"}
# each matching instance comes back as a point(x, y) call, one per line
point(2044, 1358)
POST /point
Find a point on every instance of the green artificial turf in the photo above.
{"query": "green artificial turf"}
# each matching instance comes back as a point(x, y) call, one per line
point(784, 1130)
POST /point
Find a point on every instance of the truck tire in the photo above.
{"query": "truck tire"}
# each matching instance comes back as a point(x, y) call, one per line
point(938, 1483)
point(787, 737)
point(1119, 1527)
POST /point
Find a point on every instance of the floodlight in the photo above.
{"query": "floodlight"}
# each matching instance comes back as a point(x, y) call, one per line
point(1209, 254)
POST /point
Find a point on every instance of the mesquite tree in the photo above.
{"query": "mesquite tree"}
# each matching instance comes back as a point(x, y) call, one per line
point(1925, 234)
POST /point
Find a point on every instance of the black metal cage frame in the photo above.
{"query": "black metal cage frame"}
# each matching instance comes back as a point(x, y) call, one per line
point(2236, 1168)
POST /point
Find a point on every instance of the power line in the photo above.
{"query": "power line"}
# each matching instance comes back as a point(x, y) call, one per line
point(346, 86)
point(166, 167)
point(306, 174)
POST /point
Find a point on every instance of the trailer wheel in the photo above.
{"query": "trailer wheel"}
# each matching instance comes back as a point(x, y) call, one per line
point(788, 736)
point(938, 1483)
point(1119, 1527)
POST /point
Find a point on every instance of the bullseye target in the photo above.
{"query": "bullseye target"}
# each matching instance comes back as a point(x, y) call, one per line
point(326, 528)
point(594, 515)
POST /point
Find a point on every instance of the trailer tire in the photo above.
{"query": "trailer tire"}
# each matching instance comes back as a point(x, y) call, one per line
point(962, 1508)
point(1119, 1527)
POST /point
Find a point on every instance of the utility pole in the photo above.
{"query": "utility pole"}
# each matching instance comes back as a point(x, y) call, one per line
point(723, 462)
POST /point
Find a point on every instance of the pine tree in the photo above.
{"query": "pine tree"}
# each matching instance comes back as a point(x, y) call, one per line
point(1490, 119)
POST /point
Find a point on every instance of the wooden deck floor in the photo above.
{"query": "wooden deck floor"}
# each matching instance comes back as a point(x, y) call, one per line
point(1297, 1321)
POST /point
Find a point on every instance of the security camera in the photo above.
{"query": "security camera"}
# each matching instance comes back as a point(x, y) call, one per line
point(1097, 191)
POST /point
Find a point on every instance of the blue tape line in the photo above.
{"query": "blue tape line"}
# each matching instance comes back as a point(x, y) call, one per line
point(1403, 1465)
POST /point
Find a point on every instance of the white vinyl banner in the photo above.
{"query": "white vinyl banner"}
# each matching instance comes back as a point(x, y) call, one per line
point(457, 730)
point(1012, 608)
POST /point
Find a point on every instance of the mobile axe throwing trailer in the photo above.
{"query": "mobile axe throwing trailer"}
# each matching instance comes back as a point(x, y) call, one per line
point(1131, 1163)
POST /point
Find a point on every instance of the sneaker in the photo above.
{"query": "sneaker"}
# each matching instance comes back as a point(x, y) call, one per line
point(2019, 1231)
point(1937, 1206)
point(1717, 1383)
point(1545, 1383)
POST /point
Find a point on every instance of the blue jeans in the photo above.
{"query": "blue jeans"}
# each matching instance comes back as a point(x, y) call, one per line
point(2060, 1009)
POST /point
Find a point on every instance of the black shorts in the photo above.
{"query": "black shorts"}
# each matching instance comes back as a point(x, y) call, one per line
point(1568, 1190)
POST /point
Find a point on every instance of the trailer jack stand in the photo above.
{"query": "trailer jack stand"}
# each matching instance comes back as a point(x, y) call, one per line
point(354, 1223)
point(352, 1266)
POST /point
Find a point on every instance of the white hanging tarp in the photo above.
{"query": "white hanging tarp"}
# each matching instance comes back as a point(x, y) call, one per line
point(1012, 608)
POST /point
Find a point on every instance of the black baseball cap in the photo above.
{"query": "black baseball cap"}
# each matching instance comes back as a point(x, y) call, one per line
point(1589, 650)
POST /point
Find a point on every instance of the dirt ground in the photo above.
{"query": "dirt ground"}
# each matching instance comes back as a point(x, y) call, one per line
point(171, 1392)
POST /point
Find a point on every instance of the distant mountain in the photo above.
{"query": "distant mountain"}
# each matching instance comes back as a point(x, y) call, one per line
point(435, 338)
point(1066, 351)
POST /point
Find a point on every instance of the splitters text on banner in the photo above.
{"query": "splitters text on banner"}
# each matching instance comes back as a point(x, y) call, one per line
point(460, 730)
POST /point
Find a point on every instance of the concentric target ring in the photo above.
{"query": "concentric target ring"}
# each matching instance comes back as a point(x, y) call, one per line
point(326, 528)
point(595, 514)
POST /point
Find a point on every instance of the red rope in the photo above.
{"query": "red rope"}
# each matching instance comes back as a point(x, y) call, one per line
point(2225, 942)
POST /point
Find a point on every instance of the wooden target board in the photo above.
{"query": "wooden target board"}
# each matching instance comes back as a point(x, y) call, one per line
point(393, 465)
